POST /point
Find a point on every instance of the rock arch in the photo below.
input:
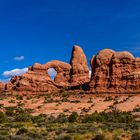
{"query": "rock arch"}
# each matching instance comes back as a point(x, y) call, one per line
point(63, 71)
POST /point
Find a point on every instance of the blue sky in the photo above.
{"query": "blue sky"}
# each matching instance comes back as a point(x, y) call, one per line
point(43, 30)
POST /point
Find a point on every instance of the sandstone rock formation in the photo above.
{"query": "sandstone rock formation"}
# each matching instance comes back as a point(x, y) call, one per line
point(79, 70)
point(2, 86)
point(37, 78)
point(112, 72)
point(115, 72)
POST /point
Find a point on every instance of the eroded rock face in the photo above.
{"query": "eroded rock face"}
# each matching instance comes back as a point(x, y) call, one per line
point(112, 72)
point(79, 70)
point(2, 86)
point(100, 65)
point(37, 78)
point(63, 72)
point(115, 72)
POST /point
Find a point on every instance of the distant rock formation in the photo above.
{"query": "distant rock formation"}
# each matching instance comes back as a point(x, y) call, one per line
point(37, 78)
point(112, 72)
point(115, 72)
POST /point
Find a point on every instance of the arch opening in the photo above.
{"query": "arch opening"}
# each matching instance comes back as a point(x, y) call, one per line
point(52, 73)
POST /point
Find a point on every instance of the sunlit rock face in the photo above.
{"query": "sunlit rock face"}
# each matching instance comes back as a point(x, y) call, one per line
point(2, 87)
point(37, 79)
point(115, 72)
point(79, 67)
point(111, 72)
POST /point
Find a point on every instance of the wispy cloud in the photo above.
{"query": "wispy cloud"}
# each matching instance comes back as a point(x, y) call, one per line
point(14, 72)
point(16, 58)
point(19, 58)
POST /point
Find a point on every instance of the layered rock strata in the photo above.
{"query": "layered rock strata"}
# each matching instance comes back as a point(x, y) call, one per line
point(115, 72)
point(111, 72)
point(37, 78)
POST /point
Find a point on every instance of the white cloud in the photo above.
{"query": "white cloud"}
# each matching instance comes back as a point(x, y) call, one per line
point(14, 72)
point(19, 58)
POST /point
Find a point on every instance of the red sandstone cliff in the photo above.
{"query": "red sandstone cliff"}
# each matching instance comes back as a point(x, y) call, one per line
point(115, 72)
point(37, 78)
point(112, 72)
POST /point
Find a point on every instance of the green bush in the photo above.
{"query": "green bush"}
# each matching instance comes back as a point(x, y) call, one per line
point(4, 138)
point(22, 131)
point(64, 137)
point(99, 137)
point(136, 136)
point(73, 117)
point(61, 118)
point(38, 119)
point(23, 117)
point(18, 138)
point(3, 118)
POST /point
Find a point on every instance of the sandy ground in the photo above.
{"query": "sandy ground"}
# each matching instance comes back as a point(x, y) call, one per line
point(86, 103)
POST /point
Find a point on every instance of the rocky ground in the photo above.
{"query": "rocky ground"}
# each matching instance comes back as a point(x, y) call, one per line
point(69, 115)
point(68, 102)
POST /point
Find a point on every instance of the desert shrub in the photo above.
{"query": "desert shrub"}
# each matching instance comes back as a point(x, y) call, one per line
point(34, 135)
point(61, 118)
point(13, 125)
point(23, 117)
point(4, 131)
point(117, 138)
point(95, 117)
point(22, 131)
point(82, 92)
point(85, 110)
point(136, 109)
point(1, 105)
point(18, 138)
point(4, 138)
point(99, 137)
point(3, 118)
point(75, 101)
point(136, 136)
point(65, 99)
point(113, 116)
point(51, 119)
point(64, 137)
point(38, 119)
point(109, 98)
point(48, 100)
point(10, 111)
point(73, 117)
point(134, 126)
point(90, 100)
point(12, 101)
point(19, 97)
point(65, 94)
point(29, 110)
